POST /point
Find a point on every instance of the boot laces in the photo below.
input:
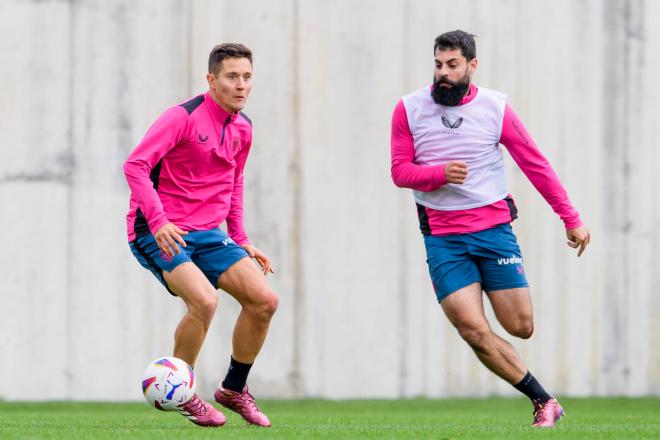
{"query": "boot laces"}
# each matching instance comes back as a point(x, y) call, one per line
point(196, 406)
point(247, 400)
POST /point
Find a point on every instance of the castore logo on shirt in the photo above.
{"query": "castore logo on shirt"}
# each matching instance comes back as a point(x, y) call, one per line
point(453, 125)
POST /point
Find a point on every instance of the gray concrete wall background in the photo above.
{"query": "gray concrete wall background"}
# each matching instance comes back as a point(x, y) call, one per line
point(357, 316)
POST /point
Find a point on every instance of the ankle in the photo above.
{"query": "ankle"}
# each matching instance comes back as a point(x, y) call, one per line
point(530, 387)
point(236, 377)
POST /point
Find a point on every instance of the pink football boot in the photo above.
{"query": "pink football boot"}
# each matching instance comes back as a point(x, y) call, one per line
point(546, 414)
point(243, 404)
point(201, 413)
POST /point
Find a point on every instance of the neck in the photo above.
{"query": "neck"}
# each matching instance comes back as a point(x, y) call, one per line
point(220, 103)
point(469, 94)
point(469, 91)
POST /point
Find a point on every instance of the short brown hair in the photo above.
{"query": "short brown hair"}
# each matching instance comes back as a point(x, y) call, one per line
point(227, 50)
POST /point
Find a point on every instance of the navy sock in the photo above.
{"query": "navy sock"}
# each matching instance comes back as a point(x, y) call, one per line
point(530, 387)
point(236, 376)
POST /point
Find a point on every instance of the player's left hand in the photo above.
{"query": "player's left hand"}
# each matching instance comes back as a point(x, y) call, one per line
point(578, 238)
point(260, 257)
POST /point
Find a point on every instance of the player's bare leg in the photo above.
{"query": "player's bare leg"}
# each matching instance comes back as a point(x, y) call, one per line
point(200, 297)
point(245, 282)
point(513, 310)
point(465, 311)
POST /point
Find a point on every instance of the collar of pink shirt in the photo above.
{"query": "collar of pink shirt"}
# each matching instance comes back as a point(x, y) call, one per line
point(218, 111)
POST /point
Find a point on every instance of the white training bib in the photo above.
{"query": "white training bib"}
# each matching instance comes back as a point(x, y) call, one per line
point(469, 133)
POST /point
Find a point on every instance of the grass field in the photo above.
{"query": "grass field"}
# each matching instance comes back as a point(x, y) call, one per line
point(617, 418)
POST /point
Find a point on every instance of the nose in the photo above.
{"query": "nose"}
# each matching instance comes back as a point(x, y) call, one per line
point(440, 75)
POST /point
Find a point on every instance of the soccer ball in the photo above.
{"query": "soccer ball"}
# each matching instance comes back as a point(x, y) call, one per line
point(168, 382)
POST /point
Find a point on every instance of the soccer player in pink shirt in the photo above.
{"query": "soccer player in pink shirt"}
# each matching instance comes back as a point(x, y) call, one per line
point(186, 178)
point(445, 147)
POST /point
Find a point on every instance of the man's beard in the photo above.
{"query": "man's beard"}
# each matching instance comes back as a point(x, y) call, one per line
point(450, 96)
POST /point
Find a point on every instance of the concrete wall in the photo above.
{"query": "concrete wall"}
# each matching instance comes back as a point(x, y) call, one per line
point(82, 80)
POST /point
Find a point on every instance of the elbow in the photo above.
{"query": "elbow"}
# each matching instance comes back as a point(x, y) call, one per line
point(396, 177)
point(134, 169)
point(397, 182)
point(128, 167)
point(400, 182)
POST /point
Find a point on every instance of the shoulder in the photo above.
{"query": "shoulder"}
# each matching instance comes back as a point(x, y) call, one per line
point(399, 112)
point(185, 114)
point(418, 95)
point(415, 102)
point(492, 95)
point(192, 104)
point(174, 116)
point(181, 113)
point(492, 100)
point(243, 117)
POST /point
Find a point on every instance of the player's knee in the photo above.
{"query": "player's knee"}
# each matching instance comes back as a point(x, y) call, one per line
point(270, 304)
point(523, 329)
point(266, 307)
point(476, 337)
point(205, 308)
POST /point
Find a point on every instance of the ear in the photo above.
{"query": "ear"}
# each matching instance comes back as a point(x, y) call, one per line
point(211, 80)
point(473, 64)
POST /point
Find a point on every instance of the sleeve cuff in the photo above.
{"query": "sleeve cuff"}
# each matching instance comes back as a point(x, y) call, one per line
point(573, 223)
point(156, 225)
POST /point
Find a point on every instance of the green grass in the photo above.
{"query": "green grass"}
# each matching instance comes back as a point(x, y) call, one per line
point(617, 418)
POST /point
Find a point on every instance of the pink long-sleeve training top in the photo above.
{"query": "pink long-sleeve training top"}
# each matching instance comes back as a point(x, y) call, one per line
point(188, 170)
point(524, 151)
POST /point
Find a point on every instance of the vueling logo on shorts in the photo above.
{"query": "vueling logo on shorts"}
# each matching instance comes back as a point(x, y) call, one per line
point(512, 260)
point(226, 241)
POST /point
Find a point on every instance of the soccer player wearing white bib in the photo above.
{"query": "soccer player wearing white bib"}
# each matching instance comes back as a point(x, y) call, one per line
point(446, 147)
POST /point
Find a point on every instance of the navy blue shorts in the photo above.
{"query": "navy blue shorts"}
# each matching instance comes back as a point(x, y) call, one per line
point(491, 257)
point(212, 251)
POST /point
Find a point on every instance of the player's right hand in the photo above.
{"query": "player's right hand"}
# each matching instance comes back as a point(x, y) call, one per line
point(168, 236)
point(456, 171)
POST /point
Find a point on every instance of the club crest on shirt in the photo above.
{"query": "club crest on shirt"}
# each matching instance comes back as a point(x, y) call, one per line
point(452, 125)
